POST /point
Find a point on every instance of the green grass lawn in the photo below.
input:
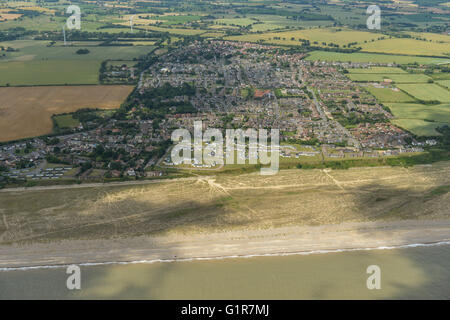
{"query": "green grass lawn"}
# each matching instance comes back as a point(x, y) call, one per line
point(389, 95)
point(426, 92)
point(66, 121)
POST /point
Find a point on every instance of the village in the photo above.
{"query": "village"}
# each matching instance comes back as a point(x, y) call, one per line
point(318, 110)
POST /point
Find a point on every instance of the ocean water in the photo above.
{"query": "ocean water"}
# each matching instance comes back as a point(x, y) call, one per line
point(417, 272)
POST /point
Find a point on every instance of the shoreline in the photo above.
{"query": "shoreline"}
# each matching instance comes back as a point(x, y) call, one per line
point(280, 254)
point(361, 236)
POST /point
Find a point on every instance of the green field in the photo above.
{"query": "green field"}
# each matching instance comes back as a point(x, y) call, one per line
point(52, 23)
point(420, 119)
point(178, 19)
point(397, 78)
point(66, 121)
point(38, 50)
point(389, 95)
point(49, 72)
point(418, 127)
point(376, 70)
point(407, 46)
point(317, 36)
point(426, 92)
point(438, 113)
point(371, 57)
point(37, 64)
point(440, 76)
point(444, 83)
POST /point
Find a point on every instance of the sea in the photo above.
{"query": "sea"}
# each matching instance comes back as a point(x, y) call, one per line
point(420, 271)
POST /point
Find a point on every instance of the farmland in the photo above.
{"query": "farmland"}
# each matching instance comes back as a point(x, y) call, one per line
point(317, 36)
point(397, 78)
point(389, 95)
point(444, 83)
point(408, 46)
point(40, 50)
point(38, 64)
point(49, 72)
point(420, 119)
point(418, 127)
point(376, 70)
point(372, 57)
point(26, 112)
point(426, 92)
point(438, 113)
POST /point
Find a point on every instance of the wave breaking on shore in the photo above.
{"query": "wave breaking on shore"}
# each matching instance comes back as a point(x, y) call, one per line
point(280, 254)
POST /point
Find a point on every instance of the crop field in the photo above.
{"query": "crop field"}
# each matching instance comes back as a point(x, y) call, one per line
point(272, 22)
point(372, 57)
point(407, 46)
point(438, 113)
point(397, 78)
point(376, 70)
point(268, 22)
point(26, 111)
point(418, 127)
point(49, 23)
point(38, 50)
point(431, 36)
point(179, 31)
point(317, 36)
point(444, 83)
point(440, 76)
point(426, 92)
point(54, 72)
point(37, 64)
point(242, 22)
point(389, 95)
point(225, 202)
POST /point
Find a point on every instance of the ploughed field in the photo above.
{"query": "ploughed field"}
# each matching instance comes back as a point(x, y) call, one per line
point(225, 202)
point(26, 111)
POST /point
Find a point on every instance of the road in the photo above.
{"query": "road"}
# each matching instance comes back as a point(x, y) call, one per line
point(351, 140)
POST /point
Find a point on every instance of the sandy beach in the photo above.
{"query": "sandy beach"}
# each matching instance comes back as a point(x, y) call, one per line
point(288, 240)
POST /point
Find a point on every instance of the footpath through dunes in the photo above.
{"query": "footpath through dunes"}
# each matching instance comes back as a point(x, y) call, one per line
point(26, 111)
point(225, 203)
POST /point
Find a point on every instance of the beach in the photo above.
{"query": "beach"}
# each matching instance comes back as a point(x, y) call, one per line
point(279, 241)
